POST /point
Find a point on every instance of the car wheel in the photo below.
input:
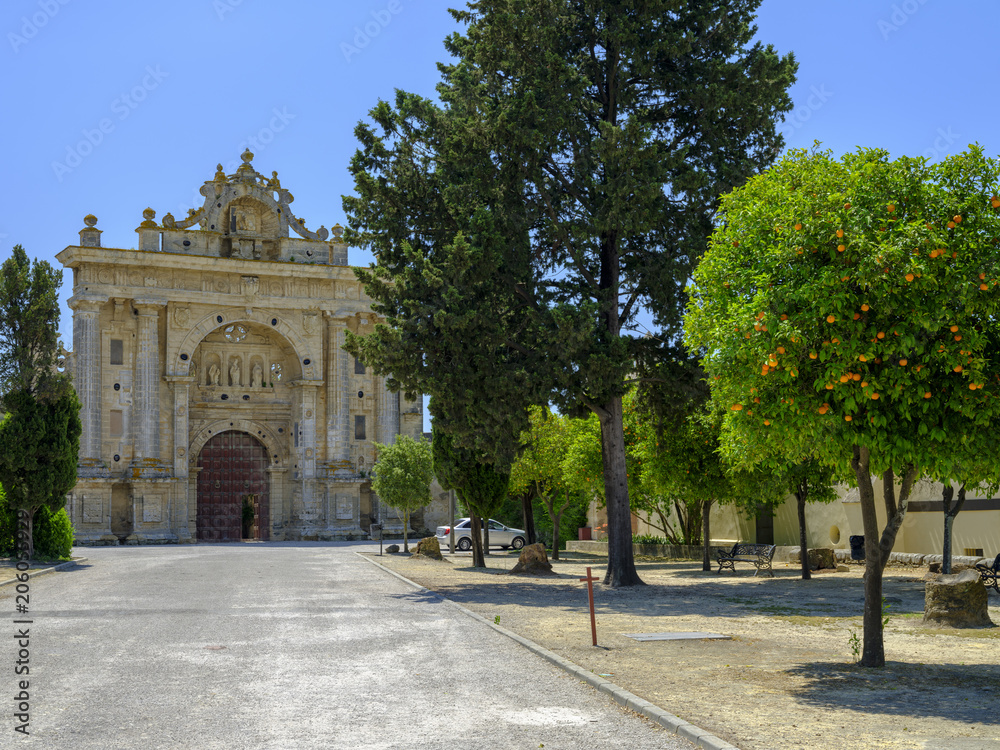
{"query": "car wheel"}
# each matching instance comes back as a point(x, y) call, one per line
point(465, 544)
point(518, 542)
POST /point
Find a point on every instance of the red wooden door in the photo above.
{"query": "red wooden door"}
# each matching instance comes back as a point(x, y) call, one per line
point(233, 465)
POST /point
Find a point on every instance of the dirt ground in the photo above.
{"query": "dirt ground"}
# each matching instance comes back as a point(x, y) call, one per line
point(786, 676)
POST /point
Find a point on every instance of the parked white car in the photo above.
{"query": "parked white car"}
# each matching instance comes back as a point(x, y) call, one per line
point(500, 535)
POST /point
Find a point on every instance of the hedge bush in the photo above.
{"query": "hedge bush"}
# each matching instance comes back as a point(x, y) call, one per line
point(52, 532)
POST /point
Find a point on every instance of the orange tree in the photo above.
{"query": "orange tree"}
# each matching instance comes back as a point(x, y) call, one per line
point(845, 308)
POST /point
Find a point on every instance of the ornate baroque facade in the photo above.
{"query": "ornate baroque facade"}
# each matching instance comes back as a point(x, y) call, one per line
point(209, 367)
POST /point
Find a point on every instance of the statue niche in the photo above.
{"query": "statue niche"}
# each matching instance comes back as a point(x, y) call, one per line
point(252, 227)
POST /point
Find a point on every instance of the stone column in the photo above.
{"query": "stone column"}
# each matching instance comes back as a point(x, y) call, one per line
point(146, 419)
point(338, 427)
point(278, 519)
point(191, 522)
point(87, 379)
point(388, 414)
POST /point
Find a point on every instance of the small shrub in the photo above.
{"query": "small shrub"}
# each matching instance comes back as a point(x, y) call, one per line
point(51, 532)
point(648, 539)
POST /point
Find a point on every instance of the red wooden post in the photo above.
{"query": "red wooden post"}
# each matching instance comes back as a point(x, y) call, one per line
point(590, 595)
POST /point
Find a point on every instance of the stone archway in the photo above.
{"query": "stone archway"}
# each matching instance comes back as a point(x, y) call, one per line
point(233, 466)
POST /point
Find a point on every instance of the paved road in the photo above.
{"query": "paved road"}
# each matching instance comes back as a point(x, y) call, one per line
point(283, 645)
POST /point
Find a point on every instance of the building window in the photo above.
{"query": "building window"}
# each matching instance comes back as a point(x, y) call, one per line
point(117, 428)
point(117, 352)
point(359, 367)
point(359, 427)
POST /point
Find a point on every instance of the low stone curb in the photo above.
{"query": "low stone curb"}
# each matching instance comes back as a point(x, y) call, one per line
point(623, 697)
point(43, 571)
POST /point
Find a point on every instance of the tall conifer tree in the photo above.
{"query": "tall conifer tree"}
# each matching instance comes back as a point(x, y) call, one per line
point(568, 180)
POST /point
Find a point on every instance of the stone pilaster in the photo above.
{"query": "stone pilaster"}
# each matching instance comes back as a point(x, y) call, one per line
point(180, 386)
point(87, 378)
point(146, 421)
point(388, 414)
point(338, 426)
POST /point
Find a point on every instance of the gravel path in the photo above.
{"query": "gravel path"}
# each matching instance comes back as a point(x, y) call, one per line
point(786, 678)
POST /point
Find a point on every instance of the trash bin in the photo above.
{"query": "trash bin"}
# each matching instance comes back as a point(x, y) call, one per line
point(583, 534)
point(375, 532)
point(857, 547)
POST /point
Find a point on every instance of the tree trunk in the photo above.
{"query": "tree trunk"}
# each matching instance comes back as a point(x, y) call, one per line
point(949, 521)
point(873, 652)
point(476, 536)
point(406, 528)
point(800, 500)
point(25, 534)
point(555, 535)
point(485, 521)
point(621, 562)
point(528, 511)
point(706, 560)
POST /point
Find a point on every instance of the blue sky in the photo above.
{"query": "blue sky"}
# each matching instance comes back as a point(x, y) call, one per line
point(116, 106)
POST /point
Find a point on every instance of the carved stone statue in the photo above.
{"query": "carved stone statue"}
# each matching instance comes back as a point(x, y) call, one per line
point(256, 380)
point(234, 373)
point(213, 374)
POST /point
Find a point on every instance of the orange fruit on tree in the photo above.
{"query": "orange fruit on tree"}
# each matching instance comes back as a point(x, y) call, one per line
point(927, 395)
point(953, 329)
point(957, 218)
point(840, 232)
point(950, 225)
point(767, 422)
point(984, 287)
point(865, 308)
point(862, 357)
point(958, 337)
point(844, 378)
point(831, 319)
point(798, 227)
point(874, 397)
point(781, 350)
point(857, 316)
point(813, 355)
point(957, 368)
point(737, 407)
point(909, 277)
point(823, 409)
point(972, 386)
point(856, 376)
point(847, 206)
point(841, 248)
point(902, 363)
point(880, 334)
point(829, 386)
point(847, 418)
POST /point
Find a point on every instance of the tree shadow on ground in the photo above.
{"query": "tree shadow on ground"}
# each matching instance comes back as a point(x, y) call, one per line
point(714, 596)
point(957, 692)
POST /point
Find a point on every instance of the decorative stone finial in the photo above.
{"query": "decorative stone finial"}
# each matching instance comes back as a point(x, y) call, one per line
point(148, 215)
point(90, 235)
point(322, 233)
point(338, 232)
point(247, 156)
point(274, 183)
point(169, 221)
point(220, 175)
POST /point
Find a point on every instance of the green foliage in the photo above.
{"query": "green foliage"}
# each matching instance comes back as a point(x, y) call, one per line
point(52, 532)
point(648, 539)
point(568, 179)
point(482, 486)
point(814, 348)
point(29, 324)
point(39, 443)
point(403, 473)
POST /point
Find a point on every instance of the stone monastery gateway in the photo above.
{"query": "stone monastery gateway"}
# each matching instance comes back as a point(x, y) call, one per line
point(217, 401)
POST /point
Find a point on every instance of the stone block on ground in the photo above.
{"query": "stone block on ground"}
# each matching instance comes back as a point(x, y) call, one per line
point(429, 547)
point(392, 548)
point(956, 601)
point(533, 561)
point(820, 558)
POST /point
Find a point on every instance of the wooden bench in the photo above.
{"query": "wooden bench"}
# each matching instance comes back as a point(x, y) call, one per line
point(758, 554)
point(988, 574)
